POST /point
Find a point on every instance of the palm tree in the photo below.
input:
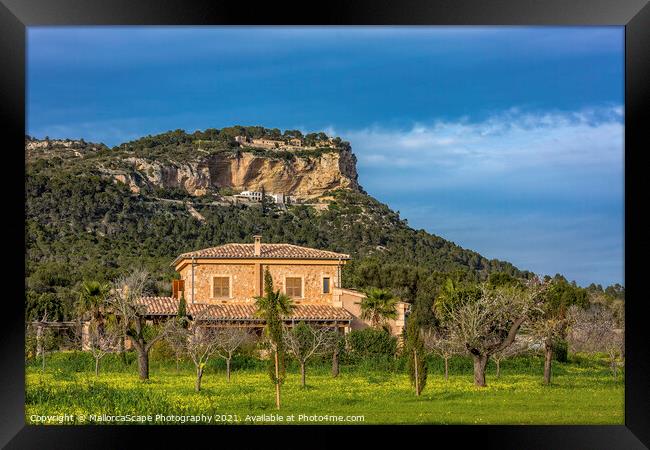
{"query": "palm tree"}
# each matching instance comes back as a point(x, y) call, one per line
point(378, 307)
point(271, 307)
point(273, 302)
point(92, 298)
point(91, 306)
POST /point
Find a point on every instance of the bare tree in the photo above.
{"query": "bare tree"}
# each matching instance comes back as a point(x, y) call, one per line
point(201, 345)
point(229, 339)
point(305, 341)
point(488, 321)
point(518, 347)
point(598, 329)
point(441, 343)
point(549, 331)
point(199, 342)
point(338, 341)
point(125, 300)
point(550, 323)
point(103, 338)
point(176, 340)
point(44, 339)
point(39, 339)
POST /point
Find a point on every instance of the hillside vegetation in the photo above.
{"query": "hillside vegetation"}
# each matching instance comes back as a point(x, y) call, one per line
point(82, 224)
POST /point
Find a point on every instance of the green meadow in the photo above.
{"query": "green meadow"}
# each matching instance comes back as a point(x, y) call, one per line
point(583, 391)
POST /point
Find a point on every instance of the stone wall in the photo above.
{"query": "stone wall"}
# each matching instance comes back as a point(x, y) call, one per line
point(351, 301)
point(246, 277)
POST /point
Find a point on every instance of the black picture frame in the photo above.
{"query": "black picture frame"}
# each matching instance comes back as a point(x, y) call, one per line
point(16, 15)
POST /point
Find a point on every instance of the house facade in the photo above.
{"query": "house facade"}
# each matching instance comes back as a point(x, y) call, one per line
point(220, 285)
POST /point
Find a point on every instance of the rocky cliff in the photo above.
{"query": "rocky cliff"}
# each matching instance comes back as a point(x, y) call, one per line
point(303, 175)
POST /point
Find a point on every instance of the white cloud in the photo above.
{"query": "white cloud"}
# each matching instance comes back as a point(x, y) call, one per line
point(542, 190)
point(506, 144)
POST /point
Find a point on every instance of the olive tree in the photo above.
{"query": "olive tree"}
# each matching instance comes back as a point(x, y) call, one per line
point(40, 339)
point(441, 343)
point(125, 300)
point(199, 342)
point(337, 347)
point(103, 337)
point(551, 323)
point(485, 320)
point(518, 347)
point(176, 337)
point(229, 340)
point(176, 340)
point(303, 342)
point(598, 329)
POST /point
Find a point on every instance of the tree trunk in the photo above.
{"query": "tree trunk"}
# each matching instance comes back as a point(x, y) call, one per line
point(39, 341)
point(548, 358)
point(498, 363)
point(480, 362)
point(613, 363)
point(277, 381)
point(143, 363)
point(96, 367)
point(228, 369)
point(302, 373)
point(446, 368)
point(199, 375)
point(123, 349)
point(40, 346)
point(335, 363)
point(417, 378)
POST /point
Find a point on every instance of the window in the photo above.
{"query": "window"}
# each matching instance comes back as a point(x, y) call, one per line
point(221, 287)
point(294, 287)
point(326, 285)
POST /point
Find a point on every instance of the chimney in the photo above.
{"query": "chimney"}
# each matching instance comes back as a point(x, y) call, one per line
point(258, 245)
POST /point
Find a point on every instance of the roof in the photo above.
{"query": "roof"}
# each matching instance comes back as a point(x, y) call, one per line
point(270, 251)
point(168, 306)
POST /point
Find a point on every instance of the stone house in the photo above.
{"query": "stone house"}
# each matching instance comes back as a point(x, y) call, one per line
point(252, 195)
point(268, 143)
point(243, 140)
point(221, 284)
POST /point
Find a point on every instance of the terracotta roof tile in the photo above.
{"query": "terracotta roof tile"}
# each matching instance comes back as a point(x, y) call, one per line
point(160, 306)
point(168, 306)
point(281, 251)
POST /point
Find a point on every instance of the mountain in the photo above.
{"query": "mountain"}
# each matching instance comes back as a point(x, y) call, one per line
point(204, 163)
point(94, 211)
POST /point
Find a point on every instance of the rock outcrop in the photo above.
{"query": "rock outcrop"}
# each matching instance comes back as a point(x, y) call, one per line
point(301, 177)
point(305, 173)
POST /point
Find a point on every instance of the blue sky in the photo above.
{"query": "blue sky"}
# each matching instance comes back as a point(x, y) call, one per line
point(505, 140)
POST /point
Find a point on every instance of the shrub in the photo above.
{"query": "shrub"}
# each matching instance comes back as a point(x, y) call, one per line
point(371, 342)
point(560, 352)
point(227, 191)
point(162, 351)
point(80, 361)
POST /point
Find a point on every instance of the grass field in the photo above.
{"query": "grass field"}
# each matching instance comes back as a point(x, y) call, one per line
point(583, 392)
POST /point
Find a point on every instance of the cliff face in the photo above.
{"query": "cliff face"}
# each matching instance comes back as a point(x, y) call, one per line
point(301, 177)
point(205, 162)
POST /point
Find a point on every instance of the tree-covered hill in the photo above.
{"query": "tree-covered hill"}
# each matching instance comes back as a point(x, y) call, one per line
point(81, 224)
